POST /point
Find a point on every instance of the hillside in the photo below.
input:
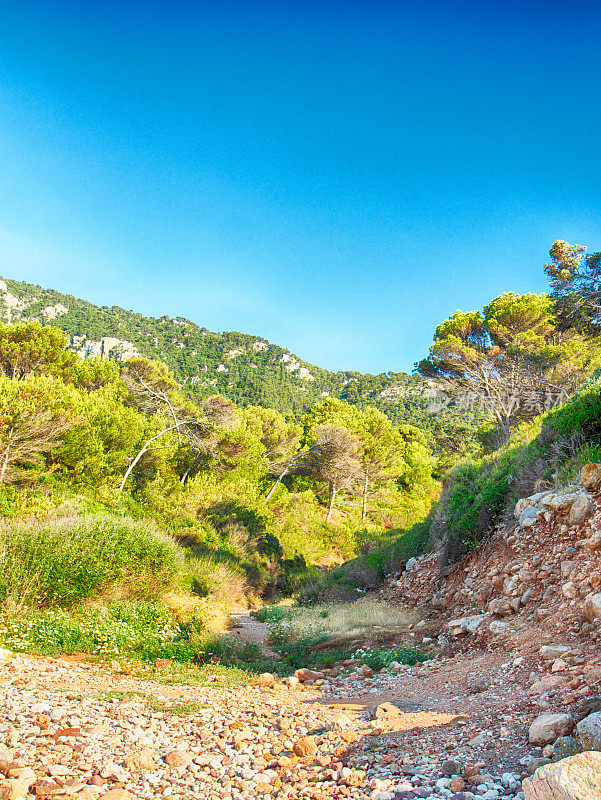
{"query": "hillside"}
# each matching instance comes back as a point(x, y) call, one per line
point(247, 369)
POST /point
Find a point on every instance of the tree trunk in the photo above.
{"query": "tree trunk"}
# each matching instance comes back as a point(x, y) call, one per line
point(333, 491)
point(143, 450)
point(286, 469)
point(4, 465)
point(6, 457)
point(364, 507)
point(186, 475)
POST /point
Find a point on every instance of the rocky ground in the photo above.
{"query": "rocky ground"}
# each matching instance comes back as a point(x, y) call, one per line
point(453, 728)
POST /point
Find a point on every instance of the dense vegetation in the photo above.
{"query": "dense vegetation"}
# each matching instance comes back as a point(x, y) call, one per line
point(526, 354)
point(117, 488)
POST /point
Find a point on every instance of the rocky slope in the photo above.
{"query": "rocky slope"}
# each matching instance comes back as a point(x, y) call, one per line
point(533, 583)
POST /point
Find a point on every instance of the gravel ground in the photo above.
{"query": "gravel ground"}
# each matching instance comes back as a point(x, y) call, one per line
point(79, 730)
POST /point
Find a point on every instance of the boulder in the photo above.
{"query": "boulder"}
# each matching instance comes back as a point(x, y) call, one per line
point(572, 778)
point(569, 590)
point(588, 706)
point(266, 679)
point(582, 508)
point(593, 542)
point(142, 761)
point(592, 674)
point(305, 675)
point(561, 503)
point(589, 731)
point(522, 505)
point(305, 747)
point(177, 758)
point(387, 711)
point(566, 746)
point(450, 768)
point(546, 684)
point(592, 607)
point(113, 772)
point(548, 727)
point(466, 624)
point(590, 477)
point(500, 606)
point(528, 517)
point(497, 627)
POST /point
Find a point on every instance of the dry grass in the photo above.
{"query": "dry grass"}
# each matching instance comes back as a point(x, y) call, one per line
point(344, 622)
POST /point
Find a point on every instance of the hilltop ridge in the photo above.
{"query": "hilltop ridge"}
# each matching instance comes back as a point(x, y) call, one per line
point(246, 368)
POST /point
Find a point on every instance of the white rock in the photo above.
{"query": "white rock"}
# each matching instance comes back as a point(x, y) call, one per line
point(497, 627)
point(572, 778)
point(466, 624)
point(552, 651)
point(589, 731)
point(592, 607)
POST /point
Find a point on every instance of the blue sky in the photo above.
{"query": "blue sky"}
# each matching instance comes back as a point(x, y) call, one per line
point(336, 177)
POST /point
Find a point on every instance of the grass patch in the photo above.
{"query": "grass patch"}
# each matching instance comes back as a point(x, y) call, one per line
point(178, 708)
point(343, 622)
point(326, 634)
point(188, 674)
point(145, 632)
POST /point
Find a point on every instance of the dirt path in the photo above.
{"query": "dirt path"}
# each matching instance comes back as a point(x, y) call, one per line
point(247, 629)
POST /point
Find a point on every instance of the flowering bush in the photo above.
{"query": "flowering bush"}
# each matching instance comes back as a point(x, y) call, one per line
point(59, 562)
point(144, 632)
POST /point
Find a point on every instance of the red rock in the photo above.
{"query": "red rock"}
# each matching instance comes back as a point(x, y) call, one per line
point(67, 732)
point(305, 747)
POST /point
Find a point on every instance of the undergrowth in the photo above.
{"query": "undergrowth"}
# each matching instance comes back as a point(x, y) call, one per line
point(546, 453)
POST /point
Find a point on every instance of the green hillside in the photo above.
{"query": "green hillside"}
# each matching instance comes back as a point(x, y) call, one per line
point(247, 369)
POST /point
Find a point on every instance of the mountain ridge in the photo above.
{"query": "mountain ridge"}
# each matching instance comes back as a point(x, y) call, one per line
point(246, 368)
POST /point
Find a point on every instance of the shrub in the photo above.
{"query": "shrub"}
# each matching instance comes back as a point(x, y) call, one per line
point(61, 562)
point(349, 581)
point(383, 657)
point(548, 451)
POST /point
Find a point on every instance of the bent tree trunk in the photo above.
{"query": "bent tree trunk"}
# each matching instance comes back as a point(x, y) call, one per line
point(4, 465)
point(287, 469)
point(332, 500)
point(6, 457)
point(143, 450)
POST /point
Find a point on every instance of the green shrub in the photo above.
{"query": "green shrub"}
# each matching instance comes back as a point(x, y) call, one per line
point(350, 580)
point(383, 657)
point(272, 613)
point(61, 562)
point(547, 452)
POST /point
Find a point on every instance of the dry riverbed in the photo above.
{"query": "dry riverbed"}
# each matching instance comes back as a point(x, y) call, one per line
point(76, 730)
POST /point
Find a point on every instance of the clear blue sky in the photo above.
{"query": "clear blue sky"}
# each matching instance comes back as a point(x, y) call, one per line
point(337, 177)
